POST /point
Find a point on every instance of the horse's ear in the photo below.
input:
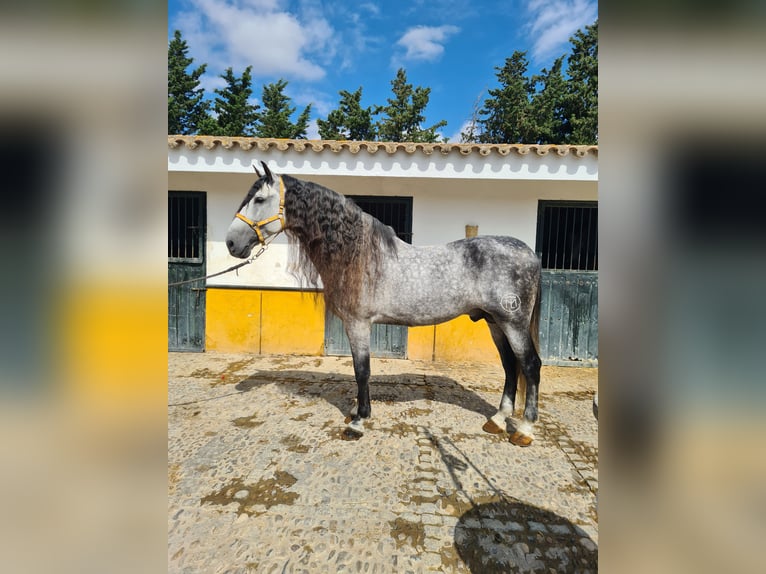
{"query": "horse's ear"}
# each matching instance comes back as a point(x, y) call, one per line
point(258, 173)
point(267, 172)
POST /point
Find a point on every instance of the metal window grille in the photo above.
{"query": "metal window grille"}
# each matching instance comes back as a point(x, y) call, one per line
point(567, 235)
point(393, 211)
point(186, 226)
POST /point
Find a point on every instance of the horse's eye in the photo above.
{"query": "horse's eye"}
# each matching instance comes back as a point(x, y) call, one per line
point(259, 199)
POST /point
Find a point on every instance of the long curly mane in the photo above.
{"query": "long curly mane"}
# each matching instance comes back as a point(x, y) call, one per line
point(332, 238)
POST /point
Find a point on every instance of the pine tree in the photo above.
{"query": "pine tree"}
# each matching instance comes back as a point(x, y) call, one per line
point(274, 120)
point(581, 102)
point(507, 112)
point(187, 107)
point(547, 106)
point(404, 113)
point(234, 114)
point(349, 121)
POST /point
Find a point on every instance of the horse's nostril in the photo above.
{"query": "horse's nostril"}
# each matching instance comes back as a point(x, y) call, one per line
point(229, 244)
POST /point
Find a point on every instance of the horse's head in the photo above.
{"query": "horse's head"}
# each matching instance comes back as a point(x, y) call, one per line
point(260, 216)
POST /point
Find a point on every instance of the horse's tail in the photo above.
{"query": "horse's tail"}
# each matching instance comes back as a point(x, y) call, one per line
point(534, 335)
point(534, 322)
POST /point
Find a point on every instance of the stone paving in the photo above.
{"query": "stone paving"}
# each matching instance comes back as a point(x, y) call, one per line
point(262, 478)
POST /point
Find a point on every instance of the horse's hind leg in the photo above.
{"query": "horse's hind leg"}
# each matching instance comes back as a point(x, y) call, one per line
point(496, 424)
point(359, 338)
point(524, 349)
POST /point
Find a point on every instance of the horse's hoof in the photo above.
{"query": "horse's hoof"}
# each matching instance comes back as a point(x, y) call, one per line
point(348, 419)
point(520, 439)
point(491, 427)
point(350, 434)
point(354, 430)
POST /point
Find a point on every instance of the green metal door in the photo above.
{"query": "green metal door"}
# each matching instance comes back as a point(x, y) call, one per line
point(186, 260)
point(385, 340)
point(567, 243)
point(569, 318)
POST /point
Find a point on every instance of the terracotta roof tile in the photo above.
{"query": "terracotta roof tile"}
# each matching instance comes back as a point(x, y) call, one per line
point(263, 144)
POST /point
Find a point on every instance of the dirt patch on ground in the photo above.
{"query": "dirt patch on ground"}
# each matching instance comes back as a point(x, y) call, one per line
point(247, 422)
point(264, 493)
point(222, 376)
point(407, 534)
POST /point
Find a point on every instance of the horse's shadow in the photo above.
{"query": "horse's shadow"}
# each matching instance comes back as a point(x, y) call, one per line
point(511, 536)
point(501, 533)
point(340, 390)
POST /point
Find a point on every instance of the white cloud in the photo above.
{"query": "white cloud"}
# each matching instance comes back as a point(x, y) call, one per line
point(372, 8)
point(240, 33)
point(455, 137)
point(212, 82)
point(553, 22)
point(321, 104)
point(270, 5)
point(425, 42)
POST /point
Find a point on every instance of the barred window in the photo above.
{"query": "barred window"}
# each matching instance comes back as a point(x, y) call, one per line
point(186, 226)
point(393, 211)
point(567, 235)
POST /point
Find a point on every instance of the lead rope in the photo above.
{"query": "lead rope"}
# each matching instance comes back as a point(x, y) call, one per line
point(232, 268)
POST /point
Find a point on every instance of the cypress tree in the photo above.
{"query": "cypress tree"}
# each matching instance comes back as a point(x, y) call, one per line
point(186, 105)
point(349, 121)
point(404, 114)
point(274, 121)
point(234, 114)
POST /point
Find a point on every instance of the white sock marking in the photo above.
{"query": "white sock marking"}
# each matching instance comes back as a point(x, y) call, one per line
point(356, 425)
point(525, 427)
point(504, 412)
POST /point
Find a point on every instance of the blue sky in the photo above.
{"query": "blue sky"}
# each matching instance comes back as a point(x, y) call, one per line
point(320, 48)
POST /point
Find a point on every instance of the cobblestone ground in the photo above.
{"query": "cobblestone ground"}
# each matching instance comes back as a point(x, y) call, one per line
point(261, 477)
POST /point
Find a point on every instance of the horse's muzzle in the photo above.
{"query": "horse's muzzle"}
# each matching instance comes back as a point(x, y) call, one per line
point(239, 253)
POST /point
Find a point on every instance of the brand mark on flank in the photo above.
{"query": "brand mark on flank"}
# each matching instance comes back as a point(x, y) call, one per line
point(510, 302)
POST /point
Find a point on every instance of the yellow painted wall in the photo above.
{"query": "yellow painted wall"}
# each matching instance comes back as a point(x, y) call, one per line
point(291, 322)
point(268, 322)
point(463, 340)
point(233, 320)
point(420, 343)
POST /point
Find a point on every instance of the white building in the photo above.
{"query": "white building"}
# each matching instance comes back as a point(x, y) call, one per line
point(430, 193)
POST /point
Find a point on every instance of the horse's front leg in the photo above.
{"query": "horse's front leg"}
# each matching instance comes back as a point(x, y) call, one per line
point(359, 337)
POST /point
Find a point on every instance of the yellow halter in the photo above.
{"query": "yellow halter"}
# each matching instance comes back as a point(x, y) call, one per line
point(280, 216)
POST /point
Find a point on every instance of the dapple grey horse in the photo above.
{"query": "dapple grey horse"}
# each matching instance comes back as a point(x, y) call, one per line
point(369, 275)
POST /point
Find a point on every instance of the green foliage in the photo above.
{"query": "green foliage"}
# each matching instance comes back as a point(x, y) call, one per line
point(507, 112)
point(553, 107)
point(235, 115)
point(403, 116)
point(349, 121)
point(274, 120)
point(186, 105)
point(581, 102)
point(547, 105)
